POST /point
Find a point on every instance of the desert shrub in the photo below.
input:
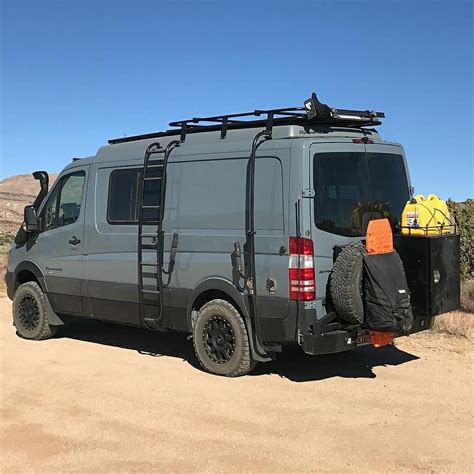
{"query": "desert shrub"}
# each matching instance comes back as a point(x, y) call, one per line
point(463, 213)
point(5, 239)
point(457, 323)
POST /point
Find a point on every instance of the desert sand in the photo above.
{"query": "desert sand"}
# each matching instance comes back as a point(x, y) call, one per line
point(105, 398)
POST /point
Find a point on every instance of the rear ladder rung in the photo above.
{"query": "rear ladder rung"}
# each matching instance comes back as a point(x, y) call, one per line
point(149, 275)
point(150, 302)
point(151, 292)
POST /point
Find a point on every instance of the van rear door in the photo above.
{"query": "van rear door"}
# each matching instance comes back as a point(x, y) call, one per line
point(353, 184)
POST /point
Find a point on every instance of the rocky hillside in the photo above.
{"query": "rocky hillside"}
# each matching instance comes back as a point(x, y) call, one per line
point(15, 193)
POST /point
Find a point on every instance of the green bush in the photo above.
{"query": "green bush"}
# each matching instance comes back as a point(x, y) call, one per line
point(5, 239)
point(463, 213)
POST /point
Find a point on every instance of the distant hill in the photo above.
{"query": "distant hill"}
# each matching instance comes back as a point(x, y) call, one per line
point(15, 193)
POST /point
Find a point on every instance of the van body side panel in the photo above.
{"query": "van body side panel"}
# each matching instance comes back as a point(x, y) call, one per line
point(205, 205)
point(111, 254)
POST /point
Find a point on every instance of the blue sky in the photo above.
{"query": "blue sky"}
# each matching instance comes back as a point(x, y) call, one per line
point(77, 73)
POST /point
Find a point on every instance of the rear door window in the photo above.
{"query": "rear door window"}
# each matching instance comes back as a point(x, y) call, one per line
point(353, 187)
point(388, 184)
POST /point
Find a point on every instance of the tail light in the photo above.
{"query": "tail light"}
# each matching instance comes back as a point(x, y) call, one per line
point(301, 269)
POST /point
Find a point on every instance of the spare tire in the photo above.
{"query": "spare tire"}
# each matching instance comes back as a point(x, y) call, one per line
point(346, 283)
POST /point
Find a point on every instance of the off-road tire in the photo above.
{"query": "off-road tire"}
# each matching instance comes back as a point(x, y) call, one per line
point(42, 329)
point(346, 284)
point(241, 361)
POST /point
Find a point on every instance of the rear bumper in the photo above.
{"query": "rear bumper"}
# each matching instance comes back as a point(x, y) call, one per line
point(339, 341)
point(332, 342)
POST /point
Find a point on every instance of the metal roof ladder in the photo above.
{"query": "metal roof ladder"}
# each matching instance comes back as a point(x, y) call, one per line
point(152, 214)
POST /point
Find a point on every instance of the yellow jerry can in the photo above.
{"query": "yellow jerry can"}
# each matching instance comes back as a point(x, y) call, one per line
point(426, 216)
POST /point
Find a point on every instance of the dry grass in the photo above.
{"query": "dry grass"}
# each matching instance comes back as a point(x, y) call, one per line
point(456, 323)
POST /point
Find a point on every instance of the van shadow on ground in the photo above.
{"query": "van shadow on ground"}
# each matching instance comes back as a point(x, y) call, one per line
point(292, 364)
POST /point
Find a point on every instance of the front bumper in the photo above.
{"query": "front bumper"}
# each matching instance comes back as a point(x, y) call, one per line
point(9, 281)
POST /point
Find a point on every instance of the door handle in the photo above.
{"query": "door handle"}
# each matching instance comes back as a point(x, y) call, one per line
point(74, 240)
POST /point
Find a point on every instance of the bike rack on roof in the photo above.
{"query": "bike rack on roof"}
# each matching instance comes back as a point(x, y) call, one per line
point(313, 113)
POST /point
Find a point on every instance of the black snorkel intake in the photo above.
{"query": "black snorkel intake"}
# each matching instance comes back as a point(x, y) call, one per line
point(43, 177)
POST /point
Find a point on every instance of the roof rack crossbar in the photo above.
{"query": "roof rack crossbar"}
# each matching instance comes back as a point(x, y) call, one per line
point(231, 118)
point(313, 113)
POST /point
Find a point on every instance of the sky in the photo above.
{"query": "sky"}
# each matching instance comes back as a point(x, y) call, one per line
point(76, 73)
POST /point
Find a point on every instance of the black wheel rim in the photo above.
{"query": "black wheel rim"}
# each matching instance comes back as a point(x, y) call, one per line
point(218, 339)
point(29, 313)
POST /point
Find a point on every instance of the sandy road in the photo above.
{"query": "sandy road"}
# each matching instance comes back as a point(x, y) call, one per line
point(90, 401)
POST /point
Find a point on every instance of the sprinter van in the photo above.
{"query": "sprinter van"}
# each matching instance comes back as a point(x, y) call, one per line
point(247, 231)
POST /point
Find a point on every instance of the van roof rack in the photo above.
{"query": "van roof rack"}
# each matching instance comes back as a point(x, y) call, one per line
point(313, 113)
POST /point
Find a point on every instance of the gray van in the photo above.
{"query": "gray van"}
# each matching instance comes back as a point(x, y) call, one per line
point(229, 228)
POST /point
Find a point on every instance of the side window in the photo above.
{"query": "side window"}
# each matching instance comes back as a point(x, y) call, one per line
point(70, 199)
point(50, 215)
point(64, 204)
point(124, 196)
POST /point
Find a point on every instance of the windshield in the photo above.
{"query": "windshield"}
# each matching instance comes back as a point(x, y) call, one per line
point(352, 188)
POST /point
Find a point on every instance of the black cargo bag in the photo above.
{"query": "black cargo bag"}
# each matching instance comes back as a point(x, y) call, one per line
point(387, 298)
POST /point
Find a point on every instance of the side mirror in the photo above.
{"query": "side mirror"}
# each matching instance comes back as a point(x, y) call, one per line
point(31, 223)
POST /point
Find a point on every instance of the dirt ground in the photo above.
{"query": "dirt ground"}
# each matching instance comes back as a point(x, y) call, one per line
point(109, 398)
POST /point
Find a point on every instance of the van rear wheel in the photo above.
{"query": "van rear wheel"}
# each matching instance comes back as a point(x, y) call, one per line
point(30, 315)
point(221, 340)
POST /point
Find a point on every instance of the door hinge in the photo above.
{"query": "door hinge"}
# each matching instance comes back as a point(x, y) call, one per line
point(308, 193)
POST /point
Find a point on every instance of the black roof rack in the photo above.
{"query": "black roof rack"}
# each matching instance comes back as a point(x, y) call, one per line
point(313, 113)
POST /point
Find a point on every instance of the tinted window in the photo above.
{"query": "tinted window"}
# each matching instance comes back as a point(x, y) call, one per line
point(64, 204)
point(70, 199)
point(124, 196)
point(388, 183)
point(49, 213)
point(352, 188)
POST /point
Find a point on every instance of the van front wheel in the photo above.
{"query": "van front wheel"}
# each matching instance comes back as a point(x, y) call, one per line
point(221, 340)
point(30, 315)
